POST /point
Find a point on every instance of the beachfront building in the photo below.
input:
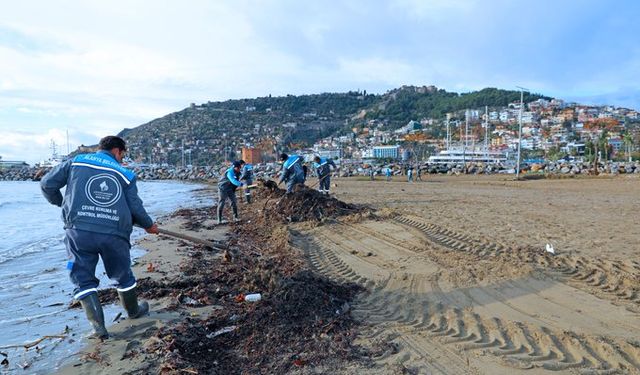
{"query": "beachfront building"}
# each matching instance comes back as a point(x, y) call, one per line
point(12, 164)
point(386, 152)
point(252, 155)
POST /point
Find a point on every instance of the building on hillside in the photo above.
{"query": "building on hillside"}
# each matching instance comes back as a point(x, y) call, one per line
point(528, 117)
point(330, 153)
point(616, 143)
point(574, 148)
point(411, 127)
point(252, 155)
point(531, 143)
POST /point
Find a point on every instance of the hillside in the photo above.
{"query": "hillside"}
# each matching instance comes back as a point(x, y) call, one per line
point(214, 131)
point(399, 106)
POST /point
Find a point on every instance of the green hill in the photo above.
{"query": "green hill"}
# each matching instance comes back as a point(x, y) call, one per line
point(214, 131)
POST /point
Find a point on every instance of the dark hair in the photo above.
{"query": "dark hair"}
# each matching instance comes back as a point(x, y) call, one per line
point(111, 141)
point(284, 156)
point(316, 159)
point(238, 163)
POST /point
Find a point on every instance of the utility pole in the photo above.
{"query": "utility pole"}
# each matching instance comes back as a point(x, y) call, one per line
point(183, 153)
point(448, 141)
point(486, 132)
point(466, 137)
point(224, 148)
point(522, 90)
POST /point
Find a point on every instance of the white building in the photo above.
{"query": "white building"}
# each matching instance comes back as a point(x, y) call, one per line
point(385, 152)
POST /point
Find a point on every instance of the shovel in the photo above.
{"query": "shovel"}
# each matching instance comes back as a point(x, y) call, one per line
point(319, 180)
point(189, 238)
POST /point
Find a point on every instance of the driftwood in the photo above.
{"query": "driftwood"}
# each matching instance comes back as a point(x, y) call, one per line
point(31, 344)
point(189, 238)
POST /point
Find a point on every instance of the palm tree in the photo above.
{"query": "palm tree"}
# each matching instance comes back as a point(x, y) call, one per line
point(628, 142)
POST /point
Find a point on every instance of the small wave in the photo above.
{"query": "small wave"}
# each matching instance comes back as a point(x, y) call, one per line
point(30, 248)
point(17, 203)
point(23, 319)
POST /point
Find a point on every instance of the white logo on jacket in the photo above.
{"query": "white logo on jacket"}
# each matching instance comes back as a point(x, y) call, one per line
point(103, 190)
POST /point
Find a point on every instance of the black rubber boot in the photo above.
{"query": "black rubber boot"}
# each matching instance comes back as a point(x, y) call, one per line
point(129, 301)
point(93, 310)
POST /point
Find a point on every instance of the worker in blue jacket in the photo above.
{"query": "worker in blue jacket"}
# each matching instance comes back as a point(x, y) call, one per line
point(323, 168)
point(292, 172)
point(247, 177)
point(227, 186)
point(99, 207)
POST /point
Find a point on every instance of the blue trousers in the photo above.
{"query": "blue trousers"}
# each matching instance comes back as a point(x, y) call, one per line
point(292, 182)
point(223, 195)
point(325, 183)
point(83, 250)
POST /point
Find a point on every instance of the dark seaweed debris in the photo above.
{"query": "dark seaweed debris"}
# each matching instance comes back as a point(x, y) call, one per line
point(302, 320)
point(303, 204)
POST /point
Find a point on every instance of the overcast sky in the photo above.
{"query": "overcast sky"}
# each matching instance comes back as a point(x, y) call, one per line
point(96, 67)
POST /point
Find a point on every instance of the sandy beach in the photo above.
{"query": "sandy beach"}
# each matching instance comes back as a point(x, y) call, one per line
point(444, 276)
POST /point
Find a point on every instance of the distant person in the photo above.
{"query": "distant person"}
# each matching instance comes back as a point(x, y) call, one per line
point(410, 174)
point(323, 169)
point(292, 172)
point(372, 173)
point(418, 174)
point(247, 177)
point(227, 186)
point(387, 173)
point(99, 208)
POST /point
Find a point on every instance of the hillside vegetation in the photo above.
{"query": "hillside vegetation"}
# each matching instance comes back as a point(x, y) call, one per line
point(214, 131)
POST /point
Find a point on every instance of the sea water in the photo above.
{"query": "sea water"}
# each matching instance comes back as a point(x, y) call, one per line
point(35, 290)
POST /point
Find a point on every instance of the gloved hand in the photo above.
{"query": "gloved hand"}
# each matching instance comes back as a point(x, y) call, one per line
point(152, 229)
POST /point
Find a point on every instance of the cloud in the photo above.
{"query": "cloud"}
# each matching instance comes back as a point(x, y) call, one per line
point(13, 142)
point(97, 67)
point(624, 97)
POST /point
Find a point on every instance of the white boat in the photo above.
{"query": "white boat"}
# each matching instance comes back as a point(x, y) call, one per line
point(55, 158)
point(460, 155)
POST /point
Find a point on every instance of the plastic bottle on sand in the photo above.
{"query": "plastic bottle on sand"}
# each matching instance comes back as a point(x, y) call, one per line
point(255, 297)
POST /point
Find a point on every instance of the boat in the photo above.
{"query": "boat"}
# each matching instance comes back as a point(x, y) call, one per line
point(55, 158)
point(465, 153)
point(460, 155)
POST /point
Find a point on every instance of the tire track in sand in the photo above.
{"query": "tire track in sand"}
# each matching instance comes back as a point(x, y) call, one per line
point(407, 305)
point(616, 281)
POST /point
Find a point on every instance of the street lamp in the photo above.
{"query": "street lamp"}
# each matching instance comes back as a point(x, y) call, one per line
point(522, 90)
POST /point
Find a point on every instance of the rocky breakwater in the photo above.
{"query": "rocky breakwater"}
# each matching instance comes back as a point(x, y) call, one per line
point(194, 173)
point(577, 167)
point(144, 173)
point(23, 174)
point(459, 168)
point(172, 173)
point(550, 167)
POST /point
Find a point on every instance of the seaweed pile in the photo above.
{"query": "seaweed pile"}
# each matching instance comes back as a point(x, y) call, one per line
point(303, 204)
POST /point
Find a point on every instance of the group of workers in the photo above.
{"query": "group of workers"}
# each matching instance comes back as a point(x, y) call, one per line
point(294, 172)
point(101, 205)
